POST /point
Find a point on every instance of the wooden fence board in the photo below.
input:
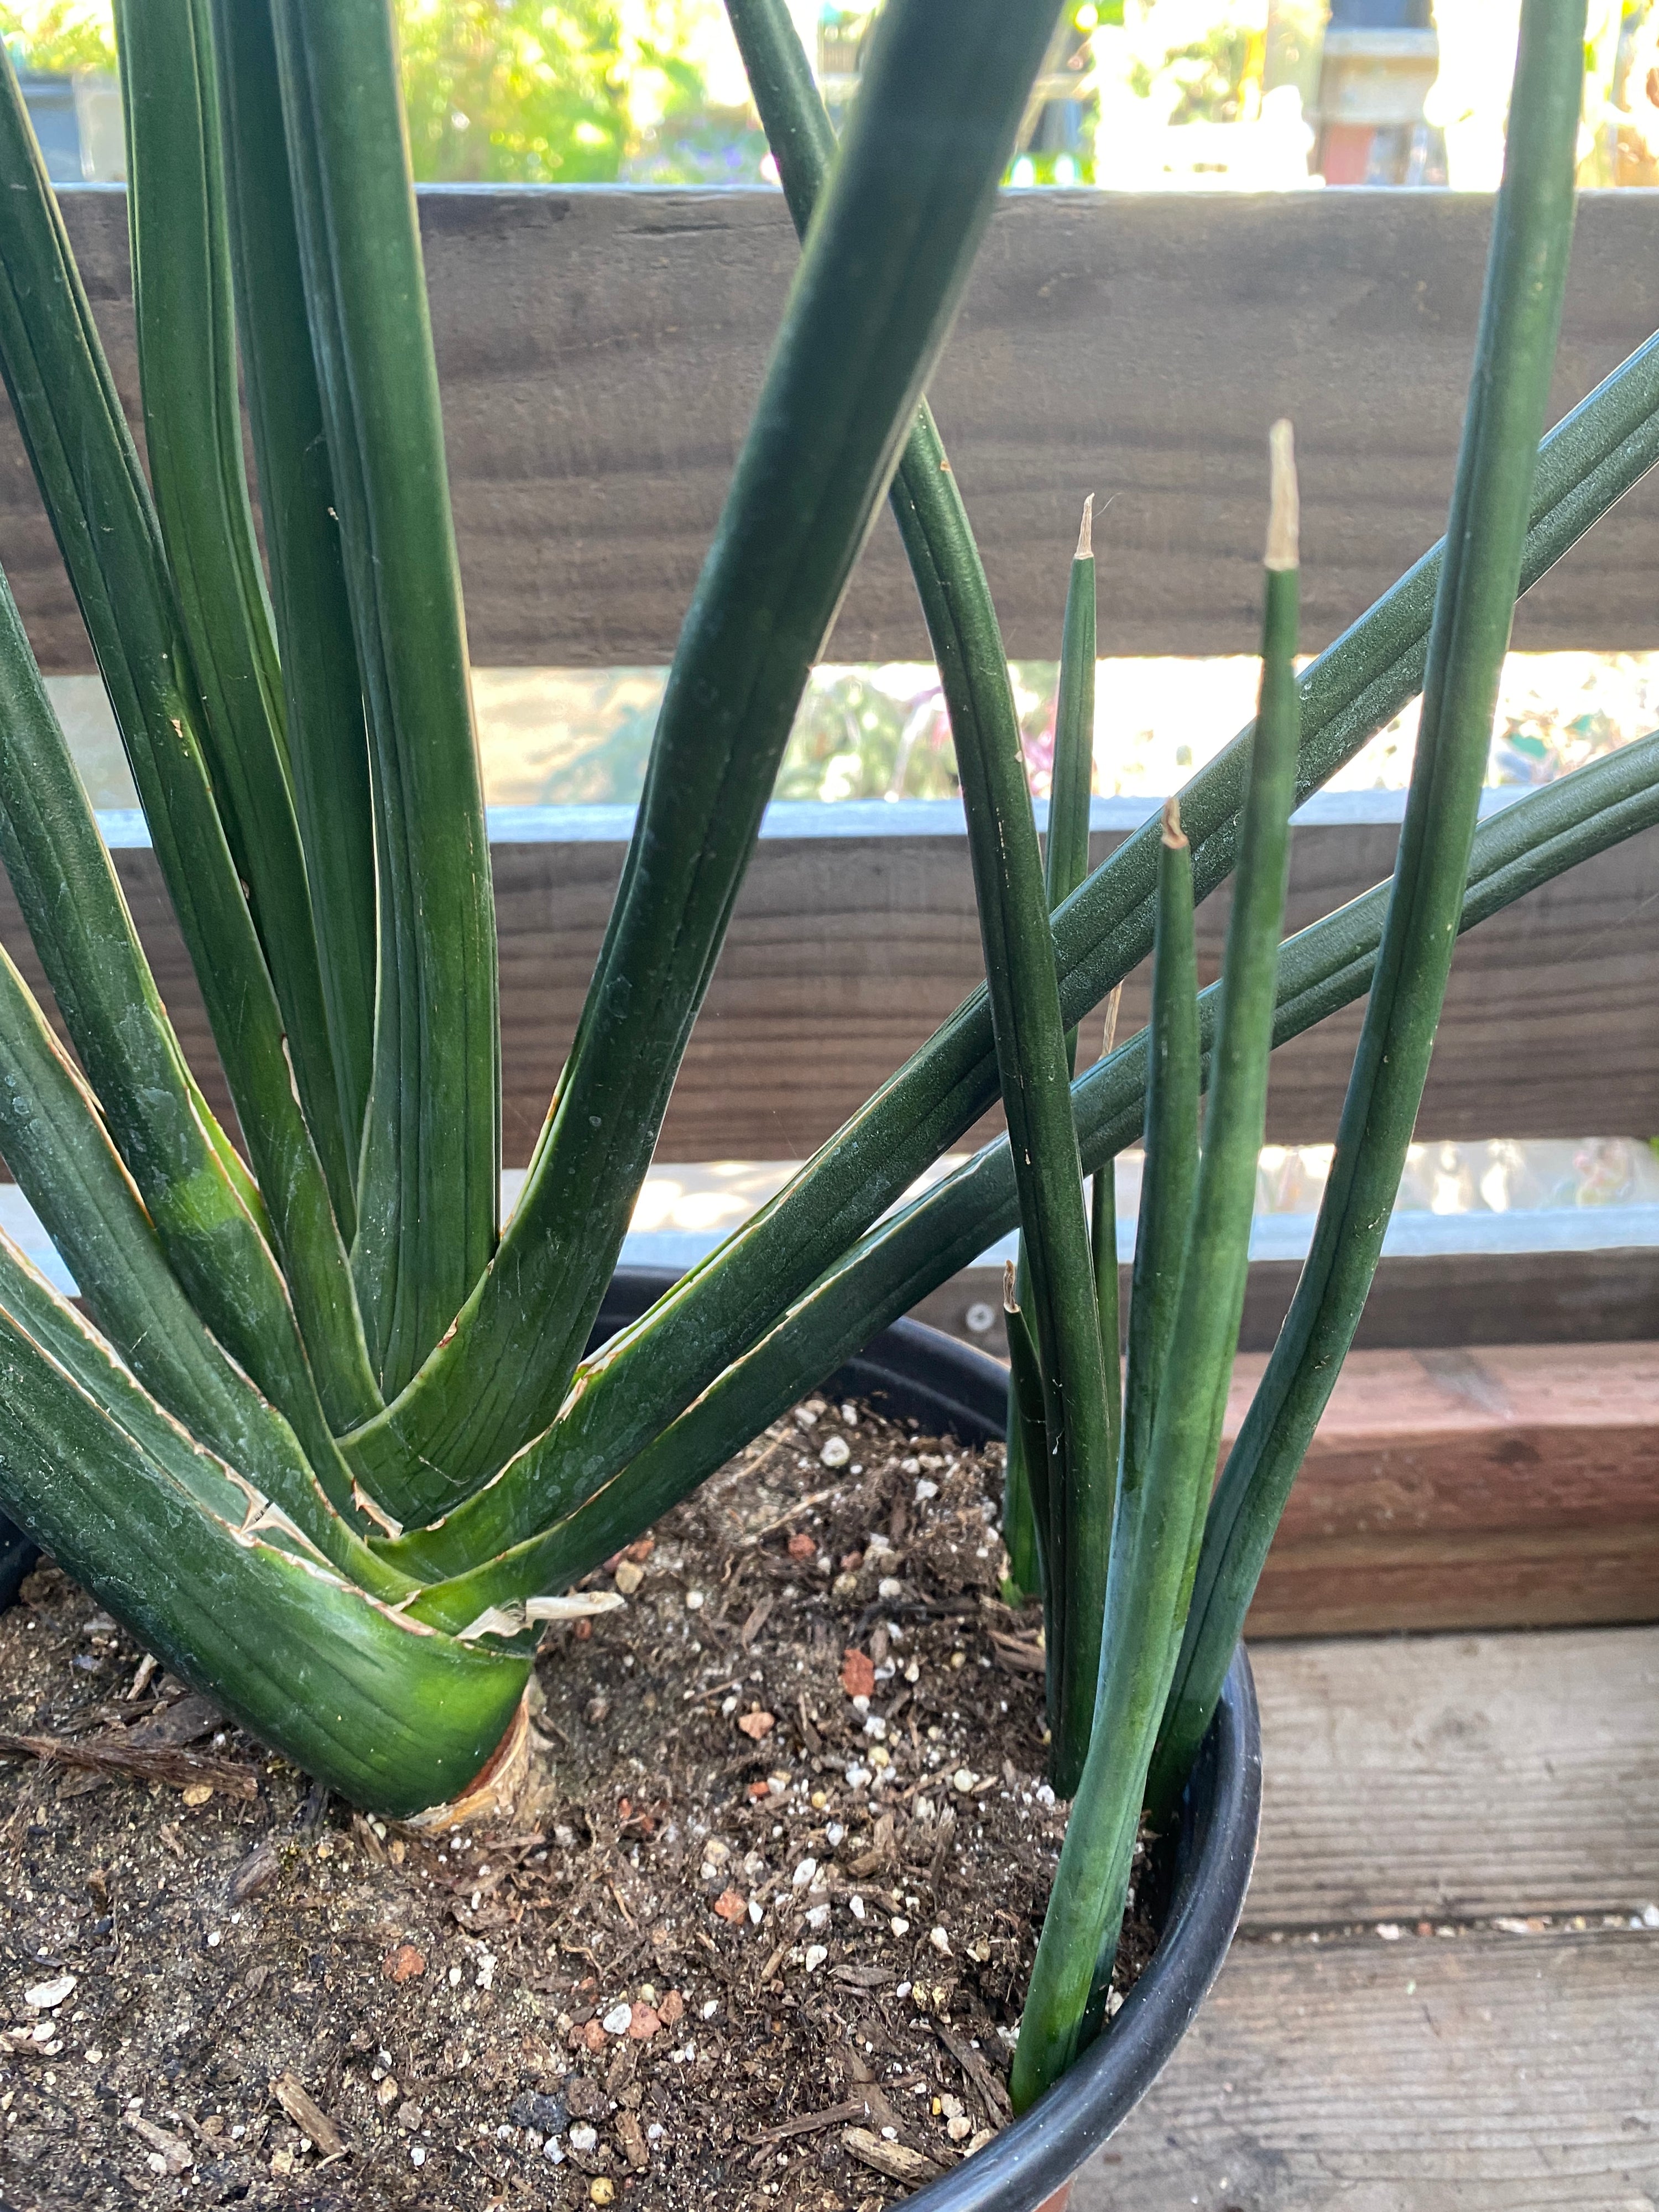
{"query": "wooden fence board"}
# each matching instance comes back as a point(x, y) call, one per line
point(847, 949)
point(1447, 1782)
point(1513, 1486)
point(1457, 1778)
point(846, 953)
point(1494, 2073)
point(599, 350)
point(1454, 1298)
point(1516, 1488)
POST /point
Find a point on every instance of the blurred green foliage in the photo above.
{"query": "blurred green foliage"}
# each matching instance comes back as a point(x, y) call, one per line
point(514, 91)
point(59, 35)
point(575, 736)
point(517, 91)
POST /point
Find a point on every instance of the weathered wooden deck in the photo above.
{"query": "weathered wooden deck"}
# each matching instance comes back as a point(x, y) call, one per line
point(1445, 1994)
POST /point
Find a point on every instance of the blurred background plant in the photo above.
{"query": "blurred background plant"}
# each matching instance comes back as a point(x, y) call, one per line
point(517, 91)
point(1137, 94)
point(60, 35)
point(574, 736)
point(1222, 94)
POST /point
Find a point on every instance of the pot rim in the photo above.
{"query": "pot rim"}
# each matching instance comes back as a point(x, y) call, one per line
point(1040, 2151)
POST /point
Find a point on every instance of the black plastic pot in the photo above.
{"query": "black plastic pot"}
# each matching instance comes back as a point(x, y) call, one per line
point(18, 1554)
point(913, 1371)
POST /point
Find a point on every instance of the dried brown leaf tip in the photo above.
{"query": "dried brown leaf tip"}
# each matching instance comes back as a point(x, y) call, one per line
point(1173, 837)
point(1085, 537)
point(1284, 504)
point(1010, 1302)
point(1114, 1006)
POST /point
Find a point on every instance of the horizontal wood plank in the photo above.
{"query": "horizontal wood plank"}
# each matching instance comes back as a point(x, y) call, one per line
point(846, 951)
point(1516, 1486)
point(1450, 1782)
point(1449, 1778)
point(1493, 2073)
point(600, 350)
point(1456, 1298)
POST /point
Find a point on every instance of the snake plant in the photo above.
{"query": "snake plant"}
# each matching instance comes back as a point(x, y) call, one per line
point(322, 1431)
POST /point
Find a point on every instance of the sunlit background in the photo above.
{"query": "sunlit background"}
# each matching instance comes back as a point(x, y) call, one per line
point(1136, 96)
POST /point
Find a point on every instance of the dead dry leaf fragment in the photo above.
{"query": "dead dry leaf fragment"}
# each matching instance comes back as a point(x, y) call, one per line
point(158, 1763)
point(811, 2123)
point(173, 2150)
point(858, 1674)
point(896, 2159)
point(632, 2138)
point(308, 2115)
point(262, 1865)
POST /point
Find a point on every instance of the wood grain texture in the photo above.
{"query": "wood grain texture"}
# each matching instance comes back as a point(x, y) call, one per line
point(845, 952)
point(1491, 2074)
point(1515, 1486)
point(1457, 1778)
point(599, 351)
point(1455, 1299)
point(1448, 1781)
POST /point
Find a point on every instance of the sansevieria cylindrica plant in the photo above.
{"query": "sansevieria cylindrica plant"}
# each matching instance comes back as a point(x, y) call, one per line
point(322, 1430)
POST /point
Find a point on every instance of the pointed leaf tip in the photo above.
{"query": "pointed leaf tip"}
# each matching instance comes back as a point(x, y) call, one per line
point(1172, 831)
point(1010, 1302)
point(1284, 512)
point(1086, 536)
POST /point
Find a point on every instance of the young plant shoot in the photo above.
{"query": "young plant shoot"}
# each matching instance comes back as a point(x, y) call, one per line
point(1191, 1255)
point(1066, 863)
point(320, 1431)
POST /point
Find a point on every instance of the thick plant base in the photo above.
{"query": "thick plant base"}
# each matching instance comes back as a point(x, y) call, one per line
point(493, 1792)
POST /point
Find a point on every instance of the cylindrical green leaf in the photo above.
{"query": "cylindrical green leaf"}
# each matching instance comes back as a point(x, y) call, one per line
point(391, 1715)
point(1525, 278)
point(1161, 1494)
point(322, 686)
point(55, 1145)
point(78, 917)
point(95, 495)
point(193, 432)
point(1172, 1156)
point(429, 1177)
point(940, 99)
point(1066, 863)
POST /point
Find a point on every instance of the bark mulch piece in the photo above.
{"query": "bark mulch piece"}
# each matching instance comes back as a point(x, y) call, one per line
point(756, 1937)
